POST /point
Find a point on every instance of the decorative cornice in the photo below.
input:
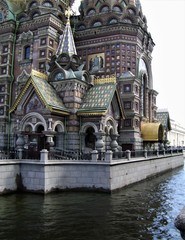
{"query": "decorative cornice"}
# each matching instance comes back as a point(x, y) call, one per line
point(105, 80)
point(39, 74)
point(92, 113)
point(7, 27)
point(107, 30)
point(42, 20)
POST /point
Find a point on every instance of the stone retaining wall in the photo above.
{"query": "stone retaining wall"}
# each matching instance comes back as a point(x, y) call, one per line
point(53, 176)
point(9, 176)
point(136, 170)
point(47, 176)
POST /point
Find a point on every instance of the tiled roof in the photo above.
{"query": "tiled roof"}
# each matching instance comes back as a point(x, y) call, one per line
point(66, 44)
point(47, 93)
point(128, 74)
point(163, 117)
point(98, 98)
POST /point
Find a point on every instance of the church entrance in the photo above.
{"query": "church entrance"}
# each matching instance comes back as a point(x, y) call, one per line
point(36, 141)
point(90, 139)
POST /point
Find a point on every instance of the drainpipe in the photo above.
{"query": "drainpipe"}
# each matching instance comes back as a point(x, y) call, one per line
point(11, 82)
point(80, 138)
point(65, 133)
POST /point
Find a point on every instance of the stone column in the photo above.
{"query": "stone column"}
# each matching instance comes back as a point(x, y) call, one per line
point(114, 143)
point(145, 153)
point(49, 138)
point(157, 152)
point(128, 154)
point(108, 156)
point(100, 144)
point(94, 155)
point(44, 155)
point(50, 124)
point(20, 145)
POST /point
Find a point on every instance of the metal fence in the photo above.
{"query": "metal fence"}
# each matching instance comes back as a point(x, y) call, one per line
point(77, 155)
point(68, 155)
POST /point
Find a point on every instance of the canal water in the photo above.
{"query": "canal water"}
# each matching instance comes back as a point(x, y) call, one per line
point(145, 210)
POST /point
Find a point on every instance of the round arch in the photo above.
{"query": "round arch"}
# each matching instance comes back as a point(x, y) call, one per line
point(88, 136)
point(110, 125)
point(85, 126)
point(59, 125)
point(28, 127)
point(38, 126)
point(27, 120)
point(145, 67)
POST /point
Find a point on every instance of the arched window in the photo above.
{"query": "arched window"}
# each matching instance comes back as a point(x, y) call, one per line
point(22, 18)
point(117, 9)
point(59, 76)
point(104, 9)
point(47, 4)
point(142, 66)
point(113, 20)
point(127, 20)
point(1, 17)
point(143, 73)
point(33, 4)
point(35, 14)
point(91, 12)
point(90, 138)
point(27, 52)
point(28, 129)
point(97, 24)
point(144, 86)
point(81, 27)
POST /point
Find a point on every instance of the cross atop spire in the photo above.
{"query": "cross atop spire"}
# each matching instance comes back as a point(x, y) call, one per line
point(68, 13)
point(66, 44)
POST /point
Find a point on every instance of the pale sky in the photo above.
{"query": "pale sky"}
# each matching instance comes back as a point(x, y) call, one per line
point(166, 23)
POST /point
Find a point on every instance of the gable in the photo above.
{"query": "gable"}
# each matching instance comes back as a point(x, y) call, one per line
point(46, 95)
point(114, 108)
point(99, 99)
point(34, 104)
point(30, 102)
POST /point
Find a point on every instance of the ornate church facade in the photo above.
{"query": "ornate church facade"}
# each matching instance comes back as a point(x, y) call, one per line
point(76, 83)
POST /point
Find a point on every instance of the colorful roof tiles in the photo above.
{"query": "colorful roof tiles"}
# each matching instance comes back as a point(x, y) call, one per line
point(45, 92)
point(98, 98)
point(66, 44)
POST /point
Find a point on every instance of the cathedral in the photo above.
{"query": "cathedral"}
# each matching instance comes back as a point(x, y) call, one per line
point(76, 82)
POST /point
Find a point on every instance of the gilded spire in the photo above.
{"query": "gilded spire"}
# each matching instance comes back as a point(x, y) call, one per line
point(66, 44)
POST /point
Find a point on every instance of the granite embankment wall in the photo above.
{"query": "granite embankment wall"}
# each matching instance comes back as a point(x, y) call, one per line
point(137, 170)
point(9, 176)
point(52, 175)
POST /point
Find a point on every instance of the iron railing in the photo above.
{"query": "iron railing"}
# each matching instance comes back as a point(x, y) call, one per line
point(77, 155)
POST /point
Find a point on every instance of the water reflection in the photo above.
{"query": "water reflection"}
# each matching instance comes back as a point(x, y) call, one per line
point(143, 211)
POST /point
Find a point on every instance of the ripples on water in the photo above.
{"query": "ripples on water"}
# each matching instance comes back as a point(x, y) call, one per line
point(143, 211)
